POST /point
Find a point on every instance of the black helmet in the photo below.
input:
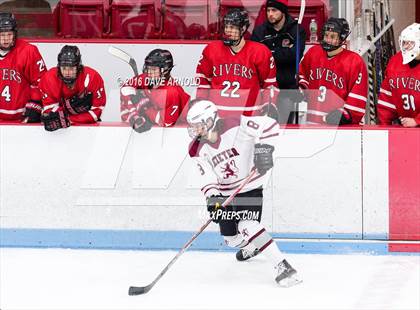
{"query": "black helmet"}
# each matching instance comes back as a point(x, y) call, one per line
point(239, 18)
point(161, 59)
point(69, 56)
point(339, 25)
point(8, 23)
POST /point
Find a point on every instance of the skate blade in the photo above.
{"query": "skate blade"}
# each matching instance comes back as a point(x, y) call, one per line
point(290, 281)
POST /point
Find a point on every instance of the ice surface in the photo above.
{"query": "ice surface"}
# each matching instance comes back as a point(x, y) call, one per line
point(93, 279)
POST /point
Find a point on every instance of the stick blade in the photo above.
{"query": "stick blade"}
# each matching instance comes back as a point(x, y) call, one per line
point(119, 53)
point(137, 290)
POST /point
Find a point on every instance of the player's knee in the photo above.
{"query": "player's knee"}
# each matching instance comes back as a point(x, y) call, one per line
point(254, 232)
point(249, 228)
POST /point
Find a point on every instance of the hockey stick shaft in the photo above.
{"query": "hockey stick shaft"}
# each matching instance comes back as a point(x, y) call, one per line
point(299, 22)
point(136, 290)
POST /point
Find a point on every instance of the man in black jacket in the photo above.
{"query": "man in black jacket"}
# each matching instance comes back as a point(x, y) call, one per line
point(279, 34)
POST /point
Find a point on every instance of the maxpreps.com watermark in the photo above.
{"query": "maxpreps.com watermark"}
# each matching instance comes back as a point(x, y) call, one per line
point(224, 215)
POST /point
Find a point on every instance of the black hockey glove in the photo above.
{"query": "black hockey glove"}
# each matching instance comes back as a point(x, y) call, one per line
point(33, 111)
point(263, 157)
point(338, 117)
point(214, 203)
point(140, 123)
point(138, 96)
point(77, 105)
point(55, 120)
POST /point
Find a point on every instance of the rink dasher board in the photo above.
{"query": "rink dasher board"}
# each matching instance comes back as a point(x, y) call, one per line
point(111, 185)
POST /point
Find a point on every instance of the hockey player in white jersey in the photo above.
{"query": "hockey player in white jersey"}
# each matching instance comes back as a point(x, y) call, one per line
point(226, 151)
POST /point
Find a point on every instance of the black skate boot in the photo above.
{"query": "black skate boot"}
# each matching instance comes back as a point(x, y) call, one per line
point(243, 254)
point(286, 275)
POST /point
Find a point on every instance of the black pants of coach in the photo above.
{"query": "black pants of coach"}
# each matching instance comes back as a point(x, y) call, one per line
point(248, 205)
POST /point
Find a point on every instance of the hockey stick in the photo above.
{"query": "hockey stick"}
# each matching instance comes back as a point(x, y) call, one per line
point(124, 57)
point(138, 290)
point(301, 13)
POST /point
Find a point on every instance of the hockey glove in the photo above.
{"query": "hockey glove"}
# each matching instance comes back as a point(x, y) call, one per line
point(338, 117)
point(214, 203)
point(271, 111)
point(138, 96)
point(55, 120)
point(140, 123)
point(33, 111)
point(77, 105)
point(263, 157)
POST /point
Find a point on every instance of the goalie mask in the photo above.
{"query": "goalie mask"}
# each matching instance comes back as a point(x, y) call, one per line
point(202, 117)
point(160, 59)
point(239, 19)
point(410, 43)
point(69, 58)
point(8, 24)
point(337, 25)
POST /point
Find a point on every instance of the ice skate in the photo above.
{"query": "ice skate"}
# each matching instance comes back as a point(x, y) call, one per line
point(287, 275)
point(243, 255)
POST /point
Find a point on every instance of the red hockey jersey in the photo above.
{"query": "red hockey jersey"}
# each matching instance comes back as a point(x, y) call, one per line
point(54, 92)
point(167, 102)
point(345, 74)
point(234, 81)
point(400, 92)
point(21, 70)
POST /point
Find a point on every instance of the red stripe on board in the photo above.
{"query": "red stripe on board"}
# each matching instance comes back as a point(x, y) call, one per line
point(404, 188)
point(401, 247)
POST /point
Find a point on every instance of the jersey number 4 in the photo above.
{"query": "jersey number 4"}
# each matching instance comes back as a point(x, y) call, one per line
point(226, 92)
point(6, 93)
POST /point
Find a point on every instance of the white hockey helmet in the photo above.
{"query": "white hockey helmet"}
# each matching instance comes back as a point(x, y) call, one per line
point(201, 117)
point(410, 42)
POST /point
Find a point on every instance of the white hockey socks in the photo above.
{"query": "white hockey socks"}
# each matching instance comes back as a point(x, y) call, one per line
point(256, 234)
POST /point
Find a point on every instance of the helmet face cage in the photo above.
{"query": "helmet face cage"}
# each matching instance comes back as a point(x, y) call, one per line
point(409, 42)
point(238, 18)
point(69, 56)
point(338, 25)
point(201, 118)
point(161, 59)
point(8, 23)
point(199, 129)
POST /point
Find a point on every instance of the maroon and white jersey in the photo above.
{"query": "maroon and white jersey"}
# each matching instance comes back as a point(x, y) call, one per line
point(400, 92)
point(223, 165)
point(54, 92)
point(234, 81)
point(21, 70)
point(167, 101)
point(345, 74)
